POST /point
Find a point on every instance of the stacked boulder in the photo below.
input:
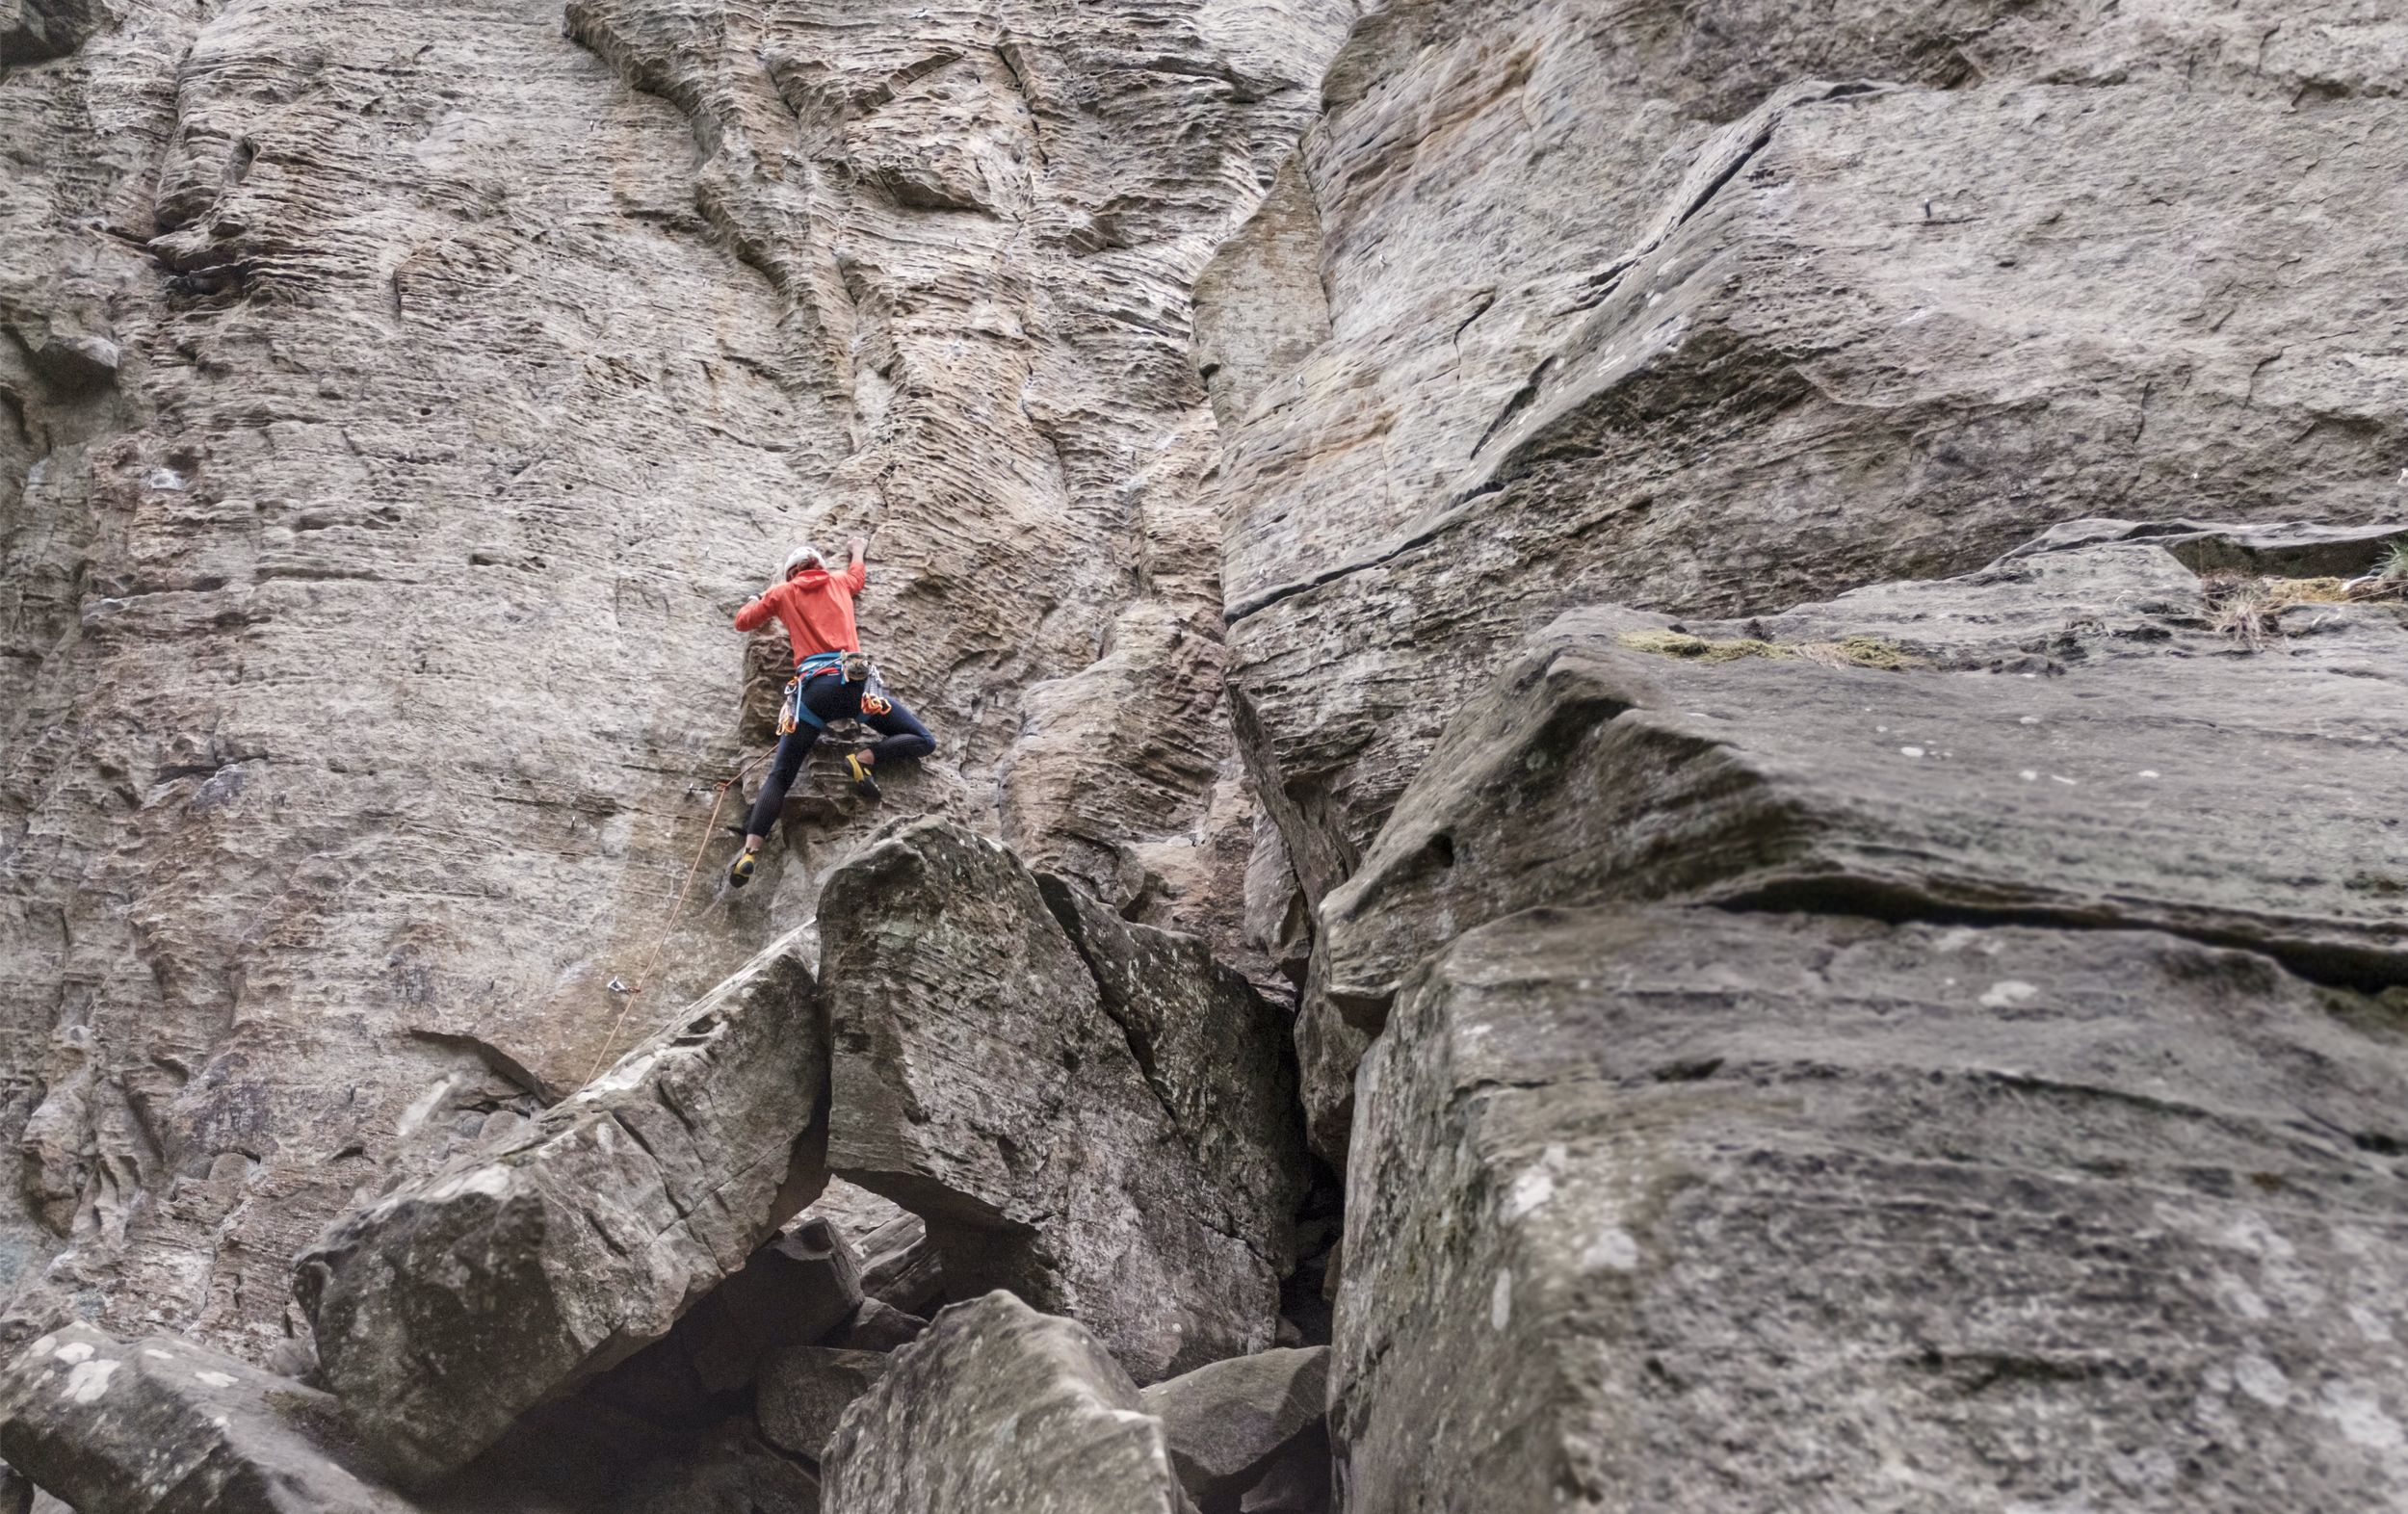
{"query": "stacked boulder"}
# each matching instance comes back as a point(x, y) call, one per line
point(1937, 1037)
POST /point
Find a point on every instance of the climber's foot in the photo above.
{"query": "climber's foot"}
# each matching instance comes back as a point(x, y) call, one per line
point(740, 871)
point(863, 782)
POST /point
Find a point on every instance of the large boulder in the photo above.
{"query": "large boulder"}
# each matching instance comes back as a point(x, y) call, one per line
point(1059, 1139)
point(1708, 1210)
point(1000, 1407)
point(2066, 735)
point(1235, 1425)
point(158, 1425)
point(448, 1307)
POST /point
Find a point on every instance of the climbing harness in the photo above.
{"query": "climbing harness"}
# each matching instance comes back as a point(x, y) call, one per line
point(853, 667)
point(643, 980)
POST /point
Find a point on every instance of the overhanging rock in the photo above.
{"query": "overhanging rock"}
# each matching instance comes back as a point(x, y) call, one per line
point(2062, 736)
point(448, 1307)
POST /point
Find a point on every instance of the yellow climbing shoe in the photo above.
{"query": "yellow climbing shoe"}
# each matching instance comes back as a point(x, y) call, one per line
point(740, 871)
point(863, 783)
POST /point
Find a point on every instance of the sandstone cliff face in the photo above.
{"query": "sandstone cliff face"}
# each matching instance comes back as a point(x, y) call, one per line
point(400, 400)
point(1544, 529)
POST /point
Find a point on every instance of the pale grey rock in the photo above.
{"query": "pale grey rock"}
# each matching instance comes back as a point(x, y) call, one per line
point(2068, 740)
point(1717, 308)
point(1230, 1426)
point(364, 666)
point(804, 1390)
point(1000, 1407)
point(445, 1309)
point(1072, 1142)
point(1751, 1211)
point(158, 1425)
point(986, 224)
point(1219, 1056)
point(2101, 788)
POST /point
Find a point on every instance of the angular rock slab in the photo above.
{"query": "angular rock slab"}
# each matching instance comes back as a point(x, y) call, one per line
point(982, 1080)
point(450, 1306)
point(1232, 1424)
point(2065, 740)
point(1682, 1209)
point(1218, 1055)
point(999, 1408)
point(805, 1392)
point(161, 1426)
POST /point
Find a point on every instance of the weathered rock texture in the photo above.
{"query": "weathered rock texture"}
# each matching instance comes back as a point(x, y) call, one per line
point(805, 1392)
point(1107, 1135)
point(451, 1306)
point(1001, 1408)
point(1232, 1424)
point(395, 400)
point(1719, 307)
point(1757, 1212)
point(396, 396)
point(160, 1425)
point(2064, 735)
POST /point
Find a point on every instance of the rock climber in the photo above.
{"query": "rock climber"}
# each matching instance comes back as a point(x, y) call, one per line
point(832, 682)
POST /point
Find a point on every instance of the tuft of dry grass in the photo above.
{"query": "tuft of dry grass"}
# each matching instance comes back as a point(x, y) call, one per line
point(1696, 648)
point(1855, 651)
point(1862, 652)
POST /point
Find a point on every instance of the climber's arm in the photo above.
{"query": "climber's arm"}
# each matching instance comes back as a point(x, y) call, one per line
point(858, 571)
point(756, 613)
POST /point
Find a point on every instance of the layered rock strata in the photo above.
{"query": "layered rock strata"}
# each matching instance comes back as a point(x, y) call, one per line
point(1743, 1212)
point(1736, 1190)
point(395, 400)
point(2066, 736)
point(1716, 309)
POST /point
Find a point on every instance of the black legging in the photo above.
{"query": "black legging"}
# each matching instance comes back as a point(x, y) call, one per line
point(832, 698)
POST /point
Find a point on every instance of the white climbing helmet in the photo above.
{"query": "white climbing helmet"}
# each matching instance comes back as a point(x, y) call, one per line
point(804, 556)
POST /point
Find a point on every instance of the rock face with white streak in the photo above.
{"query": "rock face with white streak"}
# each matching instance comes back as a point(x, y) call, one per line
point(1000, 1407)
point(448, 1308)
point(158, 1425)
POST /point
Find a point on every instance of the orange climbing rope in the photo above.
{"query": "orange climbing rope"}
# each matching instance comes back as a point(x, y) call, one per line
point(643, 980)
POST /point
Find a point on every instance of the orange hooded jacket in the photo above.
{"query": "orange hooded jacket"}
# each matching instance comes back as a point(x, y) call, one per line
point(815, 607)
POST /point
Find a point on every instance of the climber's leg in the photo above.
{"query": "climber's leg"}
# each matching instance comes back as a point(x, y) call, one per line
point(904, 739)
point(793, 749)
